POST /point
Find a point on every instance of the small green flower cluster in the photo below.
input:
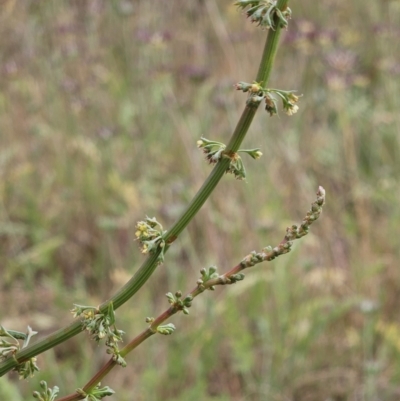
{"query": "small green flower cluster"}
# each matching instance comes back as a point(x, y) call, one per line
point(165, 329)
point(96, 394)
point(234, 278)
point(251, 259)
point(150, 234)
point(289, 100)
point(211, 274)
point(257, 93)
point(214, 151)
point(180, 304)
point(206, 275)
point(270, 253)
point(27, 369)
point(101, 325)
point(295, 231)
point(236, 166)
point(292, 233)
point(265, 13)
point(48, 394)
point(7, 348)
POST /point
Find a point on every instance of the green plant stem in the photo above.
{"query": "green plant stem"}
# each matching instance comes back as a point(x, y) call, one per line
point(150, 264)
point(224, 279)
point(268, 57)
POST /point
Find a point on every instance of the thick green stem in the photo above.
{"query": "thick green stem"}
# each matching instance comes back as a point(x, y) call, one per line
point(268, 58)
point(213, 179)
point(148, 267)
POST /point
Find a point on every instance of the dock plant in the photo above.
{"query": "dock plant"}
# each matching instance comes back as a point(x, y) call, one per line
point(154, 241)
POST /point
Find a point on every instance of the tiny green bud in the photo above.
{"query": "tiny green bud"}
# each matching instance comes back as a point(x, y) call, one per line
point(237, 277)
point(119, 360)
point(170, 297)
point(166, 329)
point(188, 298)
point(315, 208)
point(48, 394)
point(212, 269)
point(254, 153)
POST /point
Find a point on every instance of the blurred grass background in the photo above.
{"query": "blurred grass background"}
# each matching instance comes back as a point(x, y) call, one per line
point(101, 105)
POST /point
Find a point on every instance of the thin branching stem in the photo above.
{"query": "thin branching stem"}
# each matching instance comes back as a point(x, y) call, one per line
point(266, 255)
point(150, 264)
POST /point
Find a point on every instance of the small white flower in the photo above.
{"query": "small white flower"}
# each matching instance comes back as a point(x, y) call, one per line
point(292, 110)
point(257, 154)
